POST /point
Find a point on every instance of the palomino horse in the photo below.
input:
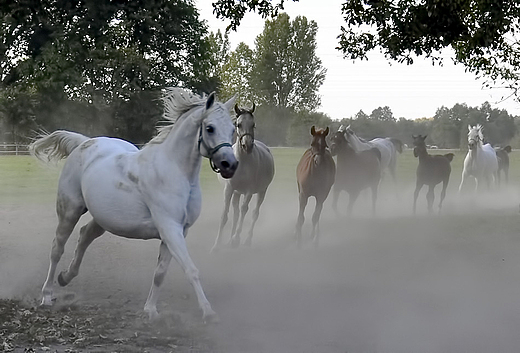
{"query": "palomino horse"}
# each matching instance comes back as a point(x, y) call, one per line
point(432, 170)
point(481, 161)
point(388, 146)
point(254, 174)
point(315, 175)
point(153, 193)
point(355, 171)
point(503, 162)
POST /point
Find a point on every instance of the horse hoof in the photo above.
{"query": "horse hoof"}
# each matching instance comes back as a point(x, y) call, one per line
point(61, 280)
point(235, 242)
point(211, 318)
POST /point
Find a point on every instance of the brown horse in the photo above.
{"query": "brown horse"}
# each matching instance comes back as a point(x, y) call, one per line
point(503, 162)
point(315, 174)
point(355, 171)
point(432, 170)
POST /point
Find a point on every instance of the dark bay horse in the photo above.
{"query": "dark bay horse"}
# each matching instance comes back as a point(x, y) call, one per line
point(254, 174)
point(432, 170)
point(503, 162)
point(315, 174)
point(355, 171)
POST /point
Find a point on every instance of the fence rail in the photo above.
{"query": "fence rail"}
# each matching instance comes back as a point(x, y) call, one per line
point(13, 149)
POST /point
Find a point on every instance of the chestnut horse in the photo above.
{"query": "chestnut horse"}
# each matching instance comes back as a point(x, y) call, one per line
point(432, 170)
point(315, 174)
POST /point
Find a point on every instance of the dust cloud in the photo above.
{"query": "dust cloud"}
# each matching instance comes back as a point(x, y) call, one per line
point(395, 282)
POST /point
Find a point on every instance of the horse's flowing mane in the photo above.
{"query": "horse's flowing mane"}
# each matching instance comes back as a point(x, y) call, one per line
point(476, 131)
point(176, 101)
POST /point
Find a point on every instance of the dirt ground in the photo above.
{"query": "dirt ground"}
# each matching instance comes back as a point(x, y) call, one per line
point(395, 283)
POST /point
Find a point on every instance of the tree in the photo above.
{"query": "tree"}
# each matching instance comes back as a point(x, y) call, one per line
point(236, 75)
point(101, 53)
point(481, 33)
point(383, 114)
point(286, 71)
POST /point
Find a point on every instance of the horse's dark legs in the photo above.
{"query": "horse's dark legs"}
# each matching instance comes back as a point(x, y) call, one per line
point(301, 217)
point(163, 262)
point(430, 197)
point(352, 197)
point(259, 200)
point(316, 221)
point(335, 195)
point(443, 192)
point(87, 234)
point(68, 215)
point(235, 240)
point(418, 187)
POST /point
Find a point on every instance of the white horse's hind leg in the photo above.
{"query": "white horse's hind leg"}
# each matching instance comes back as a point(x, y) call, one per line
point(87, 234)
point(68, 216)
point(256, 214)
point(158, 277)
point(235, 240)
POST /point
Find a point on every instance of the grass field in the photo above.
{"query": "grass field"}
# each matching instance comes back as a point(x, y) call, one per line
point(394, 283)
point(24, 179)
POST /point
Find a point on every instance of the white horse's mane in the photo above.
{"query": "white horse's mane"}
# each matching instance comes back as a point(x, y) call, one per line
point(475, 131)
point(176, 102)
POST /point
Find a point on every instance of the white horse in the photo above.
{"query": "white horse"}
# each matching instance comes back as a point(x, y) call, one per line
point(388, 146)
point(481, 161)
point(153, 193)
point(253, 176)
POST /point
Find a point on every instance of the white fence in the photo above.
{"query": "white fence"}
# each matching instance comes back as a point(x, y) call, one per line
point(13, 149)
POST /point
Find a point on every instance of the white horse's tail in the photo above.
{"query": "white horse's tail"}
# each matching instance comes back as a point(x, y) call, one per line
point(56, 146)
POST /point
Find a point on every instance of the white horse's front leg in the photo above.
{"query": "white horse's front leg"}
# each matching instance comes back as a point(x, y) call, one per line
point(158, 277)
point(235, 241)
point(172, 234)
point(228, 192)
point(463, 179)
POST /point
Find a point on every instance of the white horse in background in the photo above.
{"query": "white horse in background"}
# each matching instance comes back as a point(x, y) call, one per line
point(388, 147)
point(254, 174)
point(481, 161)
point(152, 193)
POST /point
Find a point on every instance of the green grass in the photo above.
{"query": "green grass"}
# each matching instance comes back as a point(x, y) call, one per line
point(25, 180)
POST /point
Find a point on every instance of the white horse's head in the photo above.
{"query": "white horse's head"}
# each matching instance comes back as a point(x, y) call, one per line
point(475, 136)
point(216, 136)
point(245, 127)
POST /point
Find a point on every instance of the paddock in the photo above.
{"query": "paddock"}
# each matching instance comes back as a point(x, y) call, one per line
point(394, 283)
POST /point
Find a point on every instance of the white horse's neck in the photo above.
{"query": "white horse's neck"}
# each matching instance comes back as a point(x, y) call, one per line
point(357, 144)
point(181, 148)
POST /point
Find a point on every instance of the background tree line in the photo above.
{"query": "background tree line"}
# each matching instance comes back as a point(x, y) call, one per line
point(98, 68)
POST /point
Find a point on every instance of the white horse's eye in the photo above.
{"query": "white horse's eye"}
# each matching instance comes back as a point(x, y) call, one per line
point(210, 129)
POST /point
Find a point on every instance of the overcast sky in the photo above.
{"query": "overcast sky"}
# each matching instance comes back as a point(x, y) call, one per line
point(411, 91)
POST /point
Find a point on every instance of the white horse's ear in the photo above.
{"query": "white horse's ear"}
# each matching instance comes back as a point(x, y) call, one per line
point(230, 103)
point(469, 127)
point(210, 100)
point(253, 108)
point(327, 131)
point(341, 128)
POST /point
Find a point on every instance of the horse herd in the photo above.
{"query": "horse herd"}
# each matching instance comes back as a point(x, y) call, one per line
point(154, 192)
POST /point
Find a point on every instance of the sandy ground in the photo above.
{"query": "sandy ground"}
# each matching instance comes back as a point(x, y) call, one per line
point(394, 283)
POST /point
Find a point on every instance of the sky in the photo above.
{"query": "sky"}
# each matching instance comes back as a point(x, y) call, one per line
point(411, 91)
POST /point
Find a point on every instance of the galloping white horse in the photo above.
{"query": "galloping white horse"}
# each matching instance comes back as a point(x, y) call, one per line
point(253, 176)
point(388, 147)
point(153, 193)
point(481, 161)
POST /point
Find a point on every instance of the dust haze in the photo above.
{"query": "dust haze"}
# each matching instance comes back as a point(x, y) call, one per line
point(400, 283)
